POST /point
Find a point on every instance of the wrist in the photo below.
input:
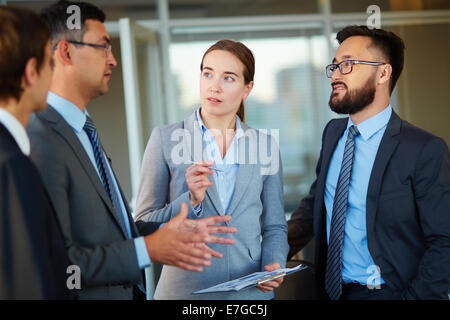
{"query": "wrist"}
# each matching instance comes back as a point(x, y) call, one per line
point(193, 201)
point(148, 240)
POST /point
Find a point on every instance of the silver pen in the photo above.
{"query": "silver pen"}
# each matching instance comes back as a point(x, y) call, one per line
point(212, 168)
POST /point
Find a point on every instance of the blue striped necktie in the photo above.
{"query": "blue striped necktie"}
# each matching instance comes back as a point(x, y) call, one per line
point(105, 175)
point(333, 273)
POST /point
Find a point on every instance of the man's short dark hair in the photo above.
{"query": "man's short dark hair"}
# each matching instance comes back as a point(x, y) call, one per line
point(56, 17)
point(390, 45)
point(23, 35)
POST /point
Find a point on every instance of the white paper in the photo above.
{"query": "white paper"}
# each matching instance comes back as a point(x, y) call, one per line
point(249, 281)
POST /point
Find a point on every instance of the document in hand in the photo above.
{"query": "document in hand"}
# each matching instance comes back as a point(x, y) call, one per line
point(251, 280)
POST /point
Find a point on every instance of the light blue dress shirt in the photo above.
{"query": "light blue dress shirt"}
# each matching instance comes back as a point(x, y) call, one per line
point(358, 265)
point(225, 181)
point(76, 119)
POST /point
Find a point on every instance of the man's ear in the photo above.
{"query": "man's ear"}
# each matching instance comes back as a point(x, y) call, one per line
point(63, 53)
point(30, 74)
point(386, 74)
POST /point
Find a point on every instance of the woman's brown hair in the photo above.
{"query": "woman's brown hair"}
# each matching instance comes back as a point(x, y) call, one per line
point(240, 51)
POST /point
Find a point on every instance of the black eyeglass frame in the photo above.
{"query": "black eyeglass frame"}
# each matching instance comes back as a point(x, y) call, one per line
point(95, 45)
point(339, 65)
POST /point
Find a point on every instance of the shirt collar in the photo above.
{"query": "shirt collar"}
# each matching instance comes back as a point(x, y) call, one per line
point(369, 127)
point(16, 129)
point(70, 112)
point(238, 134)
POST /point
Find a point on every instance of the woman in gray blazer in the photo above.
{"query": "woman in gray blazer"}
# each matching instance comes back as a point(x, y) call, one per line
point(218, 165)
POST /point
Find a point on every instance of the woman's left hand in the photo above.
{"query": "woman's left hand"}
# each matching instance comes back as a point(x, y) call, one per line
point(270, 285)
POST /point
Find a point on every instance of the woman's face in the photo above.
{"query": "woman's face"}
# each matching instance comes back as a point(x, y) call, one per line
point(222, 84)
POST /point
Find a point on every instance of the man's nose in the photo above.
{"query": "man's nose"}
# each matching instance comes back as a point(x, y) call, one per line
point(111, 60)
point(336, 75)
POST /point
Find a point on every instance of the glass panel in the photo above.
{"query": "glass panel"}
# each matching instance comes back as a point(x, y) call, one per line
point(233, 8)
point(343, 6)
point(425, 81)
point(290, 94)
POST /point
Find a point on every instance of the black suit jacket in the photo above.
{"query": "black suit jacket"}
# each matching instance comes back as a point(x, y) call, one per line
point(94, 237)
point(407, 210)
point(33, 259)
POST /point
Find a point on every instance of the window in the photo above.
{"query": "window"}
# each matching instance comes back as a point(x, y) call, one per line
point(234, 8)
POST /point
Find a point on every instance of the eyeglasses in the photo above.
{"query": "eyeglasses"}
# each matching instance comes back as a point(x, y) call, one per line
point(107, 47)
point(346, 66)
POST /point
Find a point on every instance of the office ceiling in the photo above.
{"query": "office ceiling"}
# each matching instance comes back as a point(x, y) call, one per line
point(146, 9)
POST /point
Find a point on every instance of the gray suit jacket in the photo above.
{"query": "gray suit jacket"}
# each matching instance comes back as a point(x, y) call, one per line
point(256, 207)
point(93, 236)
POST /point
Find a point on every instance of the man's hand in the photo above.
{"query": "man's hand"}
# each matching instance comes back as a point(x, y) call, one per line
point(207, 225)
point(182, 242)
point(270, 285)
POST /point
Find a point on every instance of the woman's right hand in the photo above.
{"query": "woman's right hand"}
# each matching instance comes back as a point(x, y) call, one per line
point(197, 181)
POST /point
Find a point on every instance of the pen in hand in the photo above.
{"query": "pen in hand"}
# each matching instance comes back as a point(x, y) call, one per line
point(197, 181)
point(212, 167)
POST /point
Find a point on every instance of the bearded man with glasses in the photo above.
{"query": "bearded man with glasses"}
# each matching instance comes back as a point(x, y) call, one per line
point(379, 207)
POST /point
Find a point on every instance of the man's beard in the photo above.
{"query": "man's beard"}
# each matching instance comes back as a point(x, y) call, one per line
point(354, 100)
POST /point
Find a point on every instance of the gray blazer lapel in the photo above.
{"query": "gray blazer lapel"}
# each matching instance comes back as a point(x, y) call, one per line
point(57, 123)
point(194, 148)
point(213, 196)
point(244, 176)
point(245, 171)
point(387, 147)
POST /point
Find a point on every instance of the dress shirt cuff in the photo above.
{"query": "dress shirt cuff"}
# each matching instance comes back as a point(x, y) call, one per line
point(192, 213)
point(198, 210)
point(142, 253)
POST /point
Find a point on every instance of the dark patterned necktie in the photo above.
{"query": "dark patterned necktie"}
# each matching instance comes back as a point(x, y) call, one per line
point(105, 175)
point(333, 275)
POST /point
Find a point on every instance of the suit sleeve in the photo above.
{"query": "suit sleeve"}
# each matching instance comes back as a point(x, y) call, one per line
point(146, 228)
point(152, 203)
point(300, 225)
point(432, 196)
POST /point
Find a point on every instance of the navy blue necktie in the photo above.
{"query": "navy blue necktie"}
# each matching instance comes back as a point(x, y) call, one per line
point(105, 175)
point(333, 274)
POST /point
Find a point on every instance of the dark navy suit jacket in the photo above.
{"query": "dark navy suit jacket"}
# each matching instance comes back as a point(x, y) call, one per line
point(407, 211)
point(33, 258)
